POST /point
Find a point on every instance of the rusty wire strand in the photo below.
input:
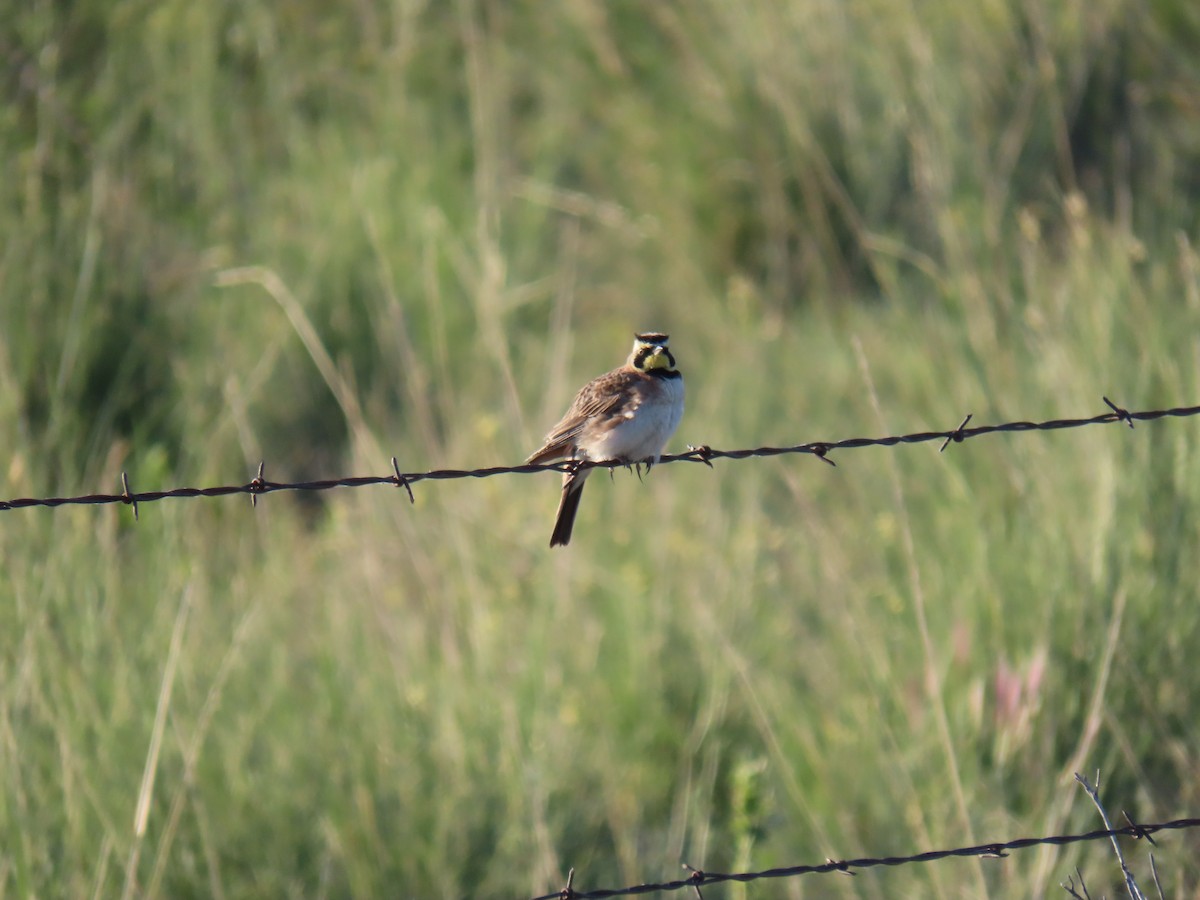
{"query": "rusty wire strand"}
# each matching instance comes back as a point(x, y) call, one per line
point(820, 449)
point(996, 850)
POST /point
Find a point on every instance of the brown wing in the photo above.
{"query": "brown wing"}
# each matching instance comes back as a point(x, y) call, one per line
point(605, 397)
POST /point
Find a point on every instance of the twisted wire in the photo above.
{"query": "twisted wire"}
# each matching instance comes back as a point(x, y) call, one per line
point(259, 485)
point(994, 850)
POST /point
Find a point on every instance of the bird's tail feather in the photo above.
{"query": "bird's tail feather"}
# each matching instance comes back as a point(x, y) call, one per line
point(567, 507)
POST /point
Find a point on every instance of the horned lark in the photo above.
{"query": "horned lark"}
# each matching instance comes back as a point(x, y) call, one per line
point(626, 415)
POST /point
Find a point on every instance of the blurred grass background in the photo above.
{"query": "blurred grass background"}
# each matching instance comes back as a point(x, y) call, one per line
point(321, 236)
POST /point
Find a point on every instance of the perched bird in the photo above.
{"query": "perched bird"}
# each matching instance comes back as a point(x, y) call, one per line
point(626, 415)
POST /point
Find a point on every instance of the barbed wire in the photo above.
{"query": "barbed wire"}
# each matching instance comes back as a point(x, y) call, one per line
point(259, 485)
point(996, 850)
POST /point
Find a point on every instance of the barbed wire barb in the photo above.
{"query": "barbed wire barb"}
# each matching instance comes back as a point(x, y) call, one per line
point(1122, 414)
point(401, 481)
point(129, 498)
point(701, 454)
point(568, 892)
point(698, 877)
point(1138, 833)
point(956, 435)
point(256, 485)
point(695, 454)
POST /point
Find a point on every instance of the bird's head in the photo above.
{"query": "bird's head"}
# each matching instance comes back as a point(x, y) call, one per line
point(650, 352)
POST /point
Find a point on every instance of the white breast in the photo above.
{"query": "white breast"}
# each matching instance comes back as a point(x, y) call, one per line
point(646, 428)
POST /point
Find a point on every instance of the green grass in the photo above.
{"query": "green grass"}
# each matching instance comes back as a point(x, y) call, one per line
point(233, 233)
